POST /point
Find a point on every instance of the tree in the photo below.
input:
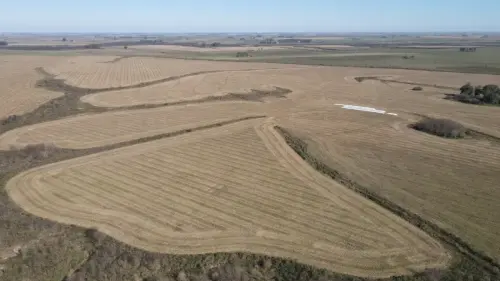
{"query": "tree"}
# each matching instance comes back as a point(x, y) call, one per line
point(491, 94)
point(125, 47)
point(467, 89)
point(64, 39)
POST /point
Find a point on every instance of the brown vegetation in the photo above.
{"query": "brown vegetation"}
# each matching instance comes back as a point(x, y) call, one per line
point(441, 127)
point(405, 171)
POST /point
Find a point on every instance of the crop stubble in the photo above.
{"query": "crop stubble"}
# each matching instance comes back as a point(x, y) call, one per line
point(97, 72)
point(198, 193)
point(95, 130)
point(452, 183)
point(314, 89)
point(17, 84)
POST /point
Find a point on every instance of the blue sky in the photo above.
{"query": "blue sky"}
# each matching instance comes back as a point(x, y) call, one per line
point(246, 16)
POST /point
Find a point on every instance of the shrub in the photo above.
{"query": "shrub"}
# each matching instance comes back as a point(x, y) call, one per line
point(418, 88)
point(488, 94)
point(441, 127)
point(242, 54)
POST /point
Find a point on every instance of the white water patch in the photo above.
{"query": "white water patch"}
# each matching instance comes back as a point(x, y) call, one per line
point(364, 108)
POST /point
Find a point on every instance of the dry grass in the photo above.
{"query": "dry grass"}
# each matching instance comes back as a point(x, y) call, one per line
point(204, 174)
point(91, 72)
point(17, 85)
point(213, 194)
point(449, 182)
point(205, 85)
point(95, 130)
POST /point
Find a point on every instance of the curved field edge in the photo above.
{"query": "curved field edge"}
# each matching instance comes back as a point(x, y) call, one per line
point(437, 257)
point(453, 241)
point(193, 265)
point(70, 104)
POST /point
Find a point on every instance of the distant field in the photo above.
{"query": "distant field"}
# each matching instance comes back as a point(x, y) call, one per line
point(106, 72)
point(484, 60)
point(207, 49)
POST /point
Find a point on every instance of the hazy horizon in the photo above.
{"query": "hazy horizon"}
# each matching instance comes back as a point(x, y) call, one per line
point(219, 16)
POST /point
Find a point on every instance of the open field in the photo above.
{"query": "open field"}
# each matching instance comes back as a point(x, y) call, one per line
point(100, 72)
point(212, 201)
point(453, 183)
point(94, 130)
point(300, 80)
point(207, 49)
point(17, 85)
point(174, 169)
point(426, 57)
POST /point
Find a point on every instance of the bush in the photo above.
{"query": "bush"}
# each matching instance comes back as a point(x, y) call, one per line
point(489, 94)
point(418, 88)
point(441, 127)
point(242, 54)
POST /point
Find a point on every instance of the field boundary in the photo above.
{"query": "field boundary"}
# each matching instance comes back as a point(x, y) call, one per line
point(70, 103)
point(486, 262)
point(377, 78)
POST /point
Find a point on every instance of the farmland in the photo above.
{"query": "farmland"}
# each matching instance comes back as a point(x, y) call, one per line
point(212, 203)
point(133, 163)
point(18, 79)
point(107, 72)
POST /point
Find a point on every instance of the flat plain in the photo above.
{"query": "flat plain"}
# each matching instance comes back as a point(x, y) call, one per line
point(95, 72)
point(224, 184)
point(18, 80)
point(196, 194)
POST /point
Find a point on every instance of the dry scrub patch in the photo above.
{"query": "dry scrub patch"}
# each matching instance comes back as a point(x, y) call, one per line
point(197, 193)
point(95, 130)
point(450, 182)
point(18, 78)
point(90, 72)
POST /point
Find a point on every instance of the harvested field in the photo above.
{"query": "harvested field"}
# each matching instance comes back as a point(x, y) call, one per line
point(90, 71)
point(17, 85)
point(95, 130)
point(206, 85)
point(206, 49)
point(452, 183)
point(312, 219)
